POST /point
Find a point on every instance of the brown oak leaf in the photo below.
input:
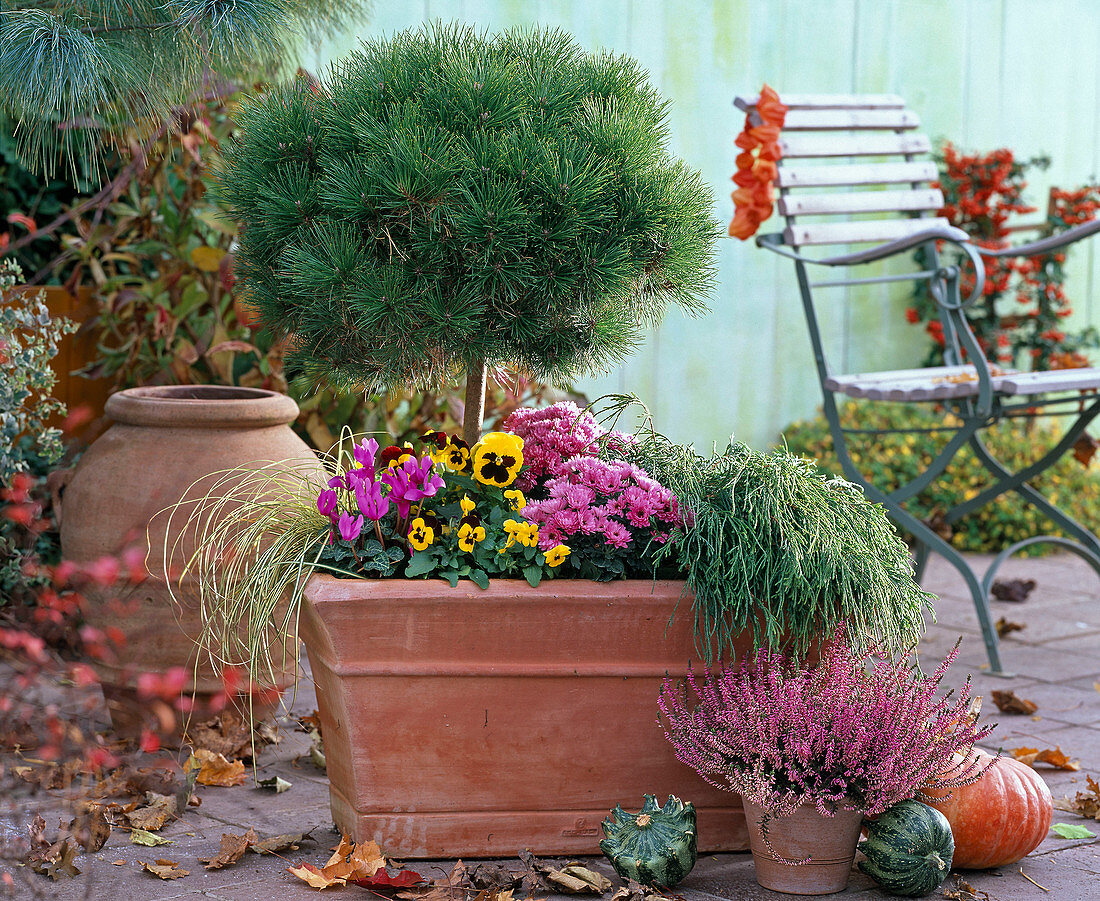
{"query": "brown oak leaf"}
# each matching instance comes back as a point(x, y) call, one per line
point(225, 734)
point(154, 814)
point(90, 828)
point(1086, 803)
point(232, 850)
point(1007, 627)
point(1054, 758)
point(215, 769)
point(1010, 702)
point(287, 842)
point(1085, 448)
point(164, 869)
point(314, 877)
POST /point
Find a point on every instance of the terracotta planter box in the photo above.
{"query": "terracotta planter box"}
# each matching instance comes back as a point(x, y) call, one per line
point(462, 722)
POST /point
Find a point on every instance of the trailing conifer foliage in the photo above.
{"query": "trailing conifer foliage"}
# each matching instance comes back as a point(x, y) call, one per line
point(447, 200)
point(73, 72)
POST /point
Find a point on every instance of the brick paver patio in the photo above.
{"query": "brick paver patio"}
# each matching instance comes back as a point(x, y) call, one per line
point(1056, 658)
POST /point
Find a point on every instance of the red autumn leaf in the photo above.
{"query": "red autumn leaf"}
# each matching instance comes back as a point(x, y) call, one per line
point(383, 879)
point(26, 221)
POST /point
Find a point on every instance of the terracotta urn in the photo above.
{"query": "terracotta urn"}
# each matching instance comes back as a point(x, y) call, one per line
point(166, 444)
point(828, 842)
point(459, 722)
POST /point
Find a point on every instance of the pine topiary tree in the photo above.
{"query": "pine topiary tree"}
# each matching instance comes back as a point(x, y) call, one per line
point(73, 72)
point(447, 200)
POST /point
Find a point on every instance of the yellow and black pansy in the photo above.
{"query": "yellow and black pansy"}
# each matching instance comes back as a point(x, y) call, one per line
point(498, 458)
point(421, 535)
point(469, 535)
point(456, 454)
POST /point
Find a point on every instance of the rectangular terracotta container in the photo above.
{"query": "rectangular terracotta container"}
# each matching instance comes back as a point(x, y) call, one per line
point(461, 722)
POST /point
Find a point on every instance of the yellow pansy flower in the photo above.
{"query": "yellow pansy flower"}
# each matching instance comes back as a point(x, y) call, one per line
point(470, 535)
point(421, 535)
point(556, 555)
point(498, 458)
point(467, 505)
point(516, 498)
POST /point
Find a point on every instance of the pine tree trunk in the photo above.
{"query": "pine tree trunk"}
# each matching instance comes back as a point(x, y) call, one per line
point(474, 413)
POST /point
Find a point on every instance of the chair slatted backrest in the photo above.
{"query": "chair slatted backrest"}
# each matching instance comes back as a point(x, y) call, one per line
point(846, 158)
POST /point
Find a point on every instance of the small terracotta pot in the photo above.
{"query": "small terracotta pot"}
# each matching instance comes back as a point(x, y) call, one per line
point(167, 443)
point(829, 842)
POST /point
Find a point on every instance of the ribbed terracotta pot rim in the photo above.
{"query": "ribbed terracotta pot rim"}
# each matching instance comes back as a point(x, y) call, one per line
point(201, 407)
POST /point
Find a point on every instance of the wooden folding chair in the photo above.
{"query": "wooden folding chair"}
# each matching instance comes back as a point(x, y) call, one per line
point(854, 170)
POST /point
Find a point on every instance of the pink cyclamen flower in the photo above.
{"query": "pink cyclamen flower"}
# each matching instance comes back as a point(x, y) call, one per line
point(411, 482)
point(366, 453)
point(372, 503)
point(350, 528)
point(327, 503)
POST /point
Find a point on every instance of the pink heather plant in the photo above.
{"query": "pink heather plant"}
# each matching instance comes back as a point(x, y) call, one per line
point(555, 434)
point(838, 736)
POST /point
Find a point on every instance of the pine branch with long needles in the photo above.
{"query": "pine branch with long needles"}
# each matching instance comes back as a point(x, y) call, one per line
point(77, 74)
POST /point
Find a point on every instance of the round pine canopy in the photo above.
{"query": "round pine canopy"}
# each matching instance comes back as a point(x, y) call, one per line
point(444, 198)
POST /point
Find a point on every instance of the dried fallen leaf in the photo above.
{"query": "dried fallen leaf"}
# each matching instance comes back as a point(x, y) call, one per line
point(155, 813)
point(144, 837)
point(313, 877)
point(118, 863)
point(354, 861)
point(214, 769)
point(453, 888)
point(575, 880)
point(494, 877)
point(55, 861)
point(1085, 448)
point(964, 891)
point(382, 879)
point(1010, 702)
point(232, 850)
point(1086, 803)
point(1054, 757)
point(274, 784)
point(90, 828)
point(288, 842)
point(164, 869)
point(226, 734)
point(1007, 627)
point(1015, 590)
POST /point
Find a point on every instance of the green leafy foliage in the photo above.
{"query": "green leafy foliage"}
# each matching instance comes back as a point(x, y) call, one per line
point(446, 198)
point(26, 549)
point(891, 460)
point(28, 342)
point(772, 546)
point(73, 71)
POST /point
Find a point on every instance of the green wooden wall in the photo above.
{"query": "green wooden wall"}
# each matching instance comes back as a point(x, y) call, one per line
point(982, 73)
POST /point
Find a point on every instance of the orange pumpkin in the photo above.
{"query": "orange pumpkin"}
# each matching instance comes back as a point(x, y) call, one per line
point(1000, 818)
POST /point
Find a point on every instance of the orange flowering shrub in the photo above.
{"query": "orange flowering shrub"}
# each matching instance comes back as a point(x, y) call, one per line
point(756, 165)
point(981, 193)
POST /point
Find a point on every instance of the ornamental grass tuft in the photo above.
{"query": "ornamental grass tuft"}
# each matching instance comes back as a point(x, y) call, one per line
point(770, 545)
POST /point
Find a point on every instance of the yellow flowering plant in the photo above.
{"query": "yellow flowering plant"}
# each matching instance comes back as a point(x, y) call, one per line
point(473, 528)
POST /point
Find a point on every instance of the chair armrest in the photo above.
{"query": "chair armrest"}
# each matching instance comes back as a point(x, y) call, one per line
point(774, 242)
point(1046, 245)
